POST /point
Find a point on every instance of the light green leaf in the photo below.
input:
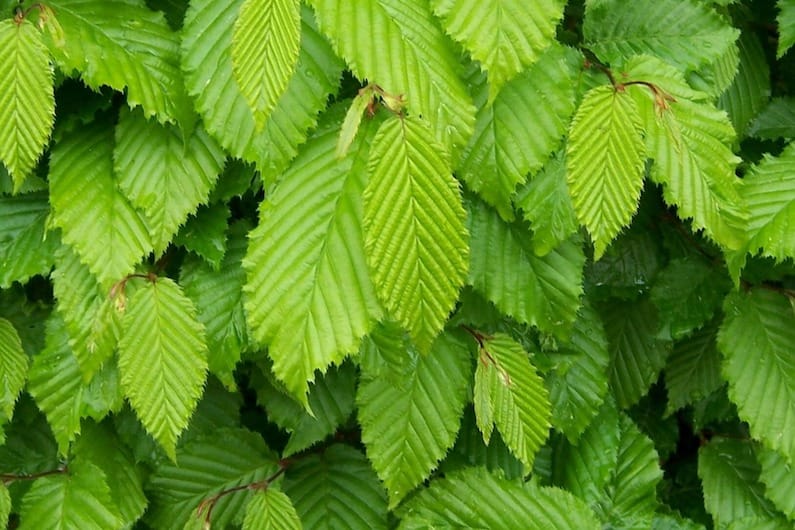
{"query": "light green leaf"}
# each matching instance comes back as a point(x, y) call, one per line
point(265, 45)
point(475, 498)
point(693, 370)
point(684, 33)
point(5, 505)
point(786, 26)
point(714, 78)
point(204, 233)
point(505, 36)
point(729, 476)
point(519, 400)
point(224, 459)
point(271, 509)
point(96, 219)
point(13, 369)
point(163, 172)
point(26, 249)
point(414, 234)
point(516, 133)
point(760, 523)
point(779, 481)
point(777, 120)
point(399, 45)
point(759, 332)
point(410, 405)
point(542, 291)
point(353, 119)
point(27, 103)
point(78, 498)
point(207, 66)
point(750, 90)
point(769, 189)
point(162, 359)
point(336, 489)
point(309, 295)
point(484, 398)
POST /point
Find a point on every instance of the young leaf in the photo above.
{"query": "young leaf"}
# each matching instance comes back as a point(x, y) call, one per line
point(271, 510)
point(519, 401)
point(27, 103)
point(353, 119)
point(786, 26)
point(605, 170)
point(758, 332)
point(162, 359)
point(414, 234)
point(410, 406)
point(505, 36)
point(164, 172)
point(309, 294)
point(13, 369)
point(26, 248)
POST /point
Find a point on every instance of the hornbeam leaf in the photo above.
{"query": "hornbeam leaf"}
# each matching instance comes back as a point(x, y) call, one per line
point(164, 173)
point(518, 398)
point(777, 120)
point(786, 26)
point(693, 370)
point(265, 44)
point(162, 359)
point(759, 331)
point(27, 101)
point(750, 90)
point(410, 405)
point(605, 168)
point(505, 36)
point(309, 294)
point(776, 474)
point(399, 45)
point(209, 77)
point(414, 233)
point(26, 248)
point(5, 505)
point(96, 219)
point(13, 369)
point(271, 510)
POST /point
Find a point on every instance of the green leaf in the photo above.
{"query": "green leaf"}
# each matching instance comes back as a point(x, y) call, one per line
point(95, 217)
point(515, 134)
point(209, 77)
point(777, 120)
point(227, 458)
point(636, 353)
point(271, 509)
point(776, 475)
point(26, 249)
point(684, 33)
point(605, 170)
point(5, 505)
point(729, 475)
point(309, 295)
point(769, 189)
point(13, 369)
point(265, 45)
point(519, 401)
point(336, 489)
point(399, 45)
point(162, 359)
point(504, 36)
point(750, 91)
point(716, 77)
point(78, 498)
point(163, 172)
point(786, 26)
point(542, 291)
point(410, 405)
point(693, 370)
point(204, 233)
point(353, 119)
point(758, 332)
point(414, 234)
point(475, 498)
point(27, 103)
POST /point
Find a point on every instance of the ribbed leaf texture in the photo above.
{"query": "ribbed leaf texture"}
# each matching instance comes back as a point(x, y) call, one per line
point(163, 173)
point(759, 332)
point(714, 78)
point(209, 78)
point(78, 498)
point(693, 370)
point(5, 505)
point(414, 234)
point(13, 369)
point(777, 120)
point(605, 170)
point(399, 45)
point(337, 489)
point(141, 59)
point(205, 466)
point(475, 498)
point(204, 233)
point(162, 359)
point(786, 26)
point(265, 45)
point(505, 36)
point(769, 189)
point(309, 294)
point(96, 219)
point(517, 399)
point(27, 104)
point(750, 90)
point(685, 33)
point(542, 291)
point(729, 476)
point(271, 510)
point(410, 405)
point(779, 481)
point(26, 249)
point(516, 133)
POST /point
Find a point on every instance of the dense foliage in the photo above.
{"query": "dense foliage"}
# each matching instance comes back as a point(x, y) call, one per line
point(397, 263)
